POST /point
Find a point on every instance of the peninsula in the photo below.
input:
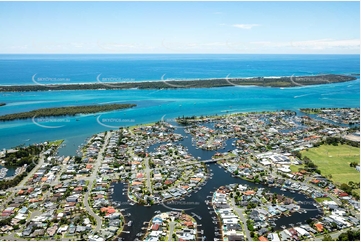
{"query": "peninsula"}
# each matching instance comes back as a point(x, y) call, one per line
point(65, 111)
point(290, 81)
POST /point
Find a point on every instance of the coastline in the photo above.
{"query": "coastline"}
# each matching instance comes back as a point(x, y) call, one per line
point(283, 82)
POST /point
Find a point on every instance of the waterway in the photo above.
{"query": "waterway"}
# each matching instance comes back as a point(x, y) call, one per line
point(195, 203)
point(11, 170)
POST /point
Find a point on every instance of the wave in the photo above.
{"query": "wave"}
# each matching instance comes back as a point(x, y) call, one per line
point(304, 95)
point(29, 102)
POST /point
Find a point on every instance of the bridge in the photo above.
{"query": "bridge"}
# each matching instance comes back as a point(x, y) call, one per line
point(215, 160)
point(209, 161)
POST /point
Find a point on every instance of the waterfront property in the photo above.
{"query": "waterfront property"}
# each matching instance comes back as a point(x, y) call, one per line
point(171, 226)
point(72, 197)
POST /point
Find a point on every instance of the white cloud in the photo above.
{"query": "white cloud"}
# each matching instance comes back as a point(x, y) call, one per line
point(320, 44)
point(327, 44)
point(245, 26)
point(213, 44)
point(310, 46)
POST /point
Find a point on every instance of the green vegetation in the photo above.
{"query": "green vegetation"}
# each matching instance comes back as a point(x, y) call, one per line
point(337, 163)
point(56, 142)
point(327, 237)
point(322, 199)
point(27, 155)
point(336, 140)
point(64, 111)
point(350, 236)
point(311, 110)
point(295, 168)
point(5, 184)
point(23, 155)
point(336, 160)
point(257, 81)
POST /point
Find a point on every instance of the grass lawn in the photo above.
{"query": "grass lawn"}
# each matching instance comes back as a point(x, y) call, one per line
point(294, 168)
point(56, 142)
point(322, 199)
point(335, 160)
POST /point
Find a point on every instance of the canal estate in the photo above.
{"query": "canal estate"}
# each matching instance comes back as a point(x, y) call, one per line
point(233, 177)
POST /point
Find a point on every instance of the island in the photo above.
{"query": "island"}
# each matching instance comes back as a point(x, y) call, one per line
point(65, 111)
point(290, 81)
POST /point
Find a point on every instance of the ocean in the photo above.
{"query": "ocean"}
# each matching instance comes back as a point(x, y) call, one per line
point(155, 105)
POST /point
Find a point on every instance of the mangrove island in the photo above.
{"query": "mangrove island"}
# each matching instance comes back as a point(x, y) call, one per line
point(65, 111)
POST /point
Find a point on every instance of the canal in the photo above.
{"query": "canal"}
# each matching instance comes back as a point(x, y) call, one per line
point(196, 201)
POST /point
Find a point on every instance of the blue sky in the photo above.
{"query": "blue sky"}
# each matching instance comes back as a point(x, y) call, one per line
point(180, 27)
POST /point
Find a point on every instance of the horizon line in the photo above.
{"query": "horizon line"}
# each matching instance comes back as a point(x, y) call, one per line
point(179, 53)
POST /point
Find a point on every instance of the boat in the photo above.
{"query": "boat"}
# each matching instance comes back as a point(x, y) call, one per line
point(130, 223)
point(3, 172)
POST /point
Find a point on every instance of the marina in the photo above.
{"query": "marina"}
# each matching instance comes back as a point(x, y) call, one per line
point(3, 172)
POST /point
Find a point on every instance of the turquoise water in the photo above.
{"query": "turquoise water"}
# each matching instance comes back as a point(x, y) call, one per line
point(153, 105)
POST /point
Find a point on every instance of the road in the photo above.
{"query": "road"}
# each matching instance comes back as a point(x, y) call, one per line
point(91, 179)
point(239, 211)
point(12, 190)
point(305, 183)
point(334, 235)
point(32, 172)
point(148, 174)
point(171, 229)
point(57, 178)
point(11, 236)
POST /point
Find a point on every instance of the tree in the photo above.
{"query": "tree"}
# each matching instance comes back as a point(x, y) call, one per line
point(355, 195)
point(350, 236)
point(346, 188)
point(327, 237)
point(297, 154)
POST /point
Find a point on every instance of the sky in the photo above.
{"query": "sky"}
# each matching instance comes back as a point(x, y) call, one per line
point(180, 27)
